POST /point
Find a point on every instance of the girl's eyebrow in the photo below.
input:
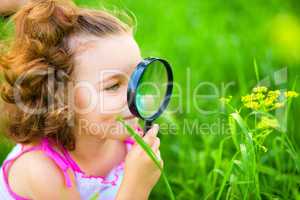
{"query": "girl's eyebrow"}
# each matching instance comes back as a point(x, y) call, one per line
point(112, 77)
point(117, 74)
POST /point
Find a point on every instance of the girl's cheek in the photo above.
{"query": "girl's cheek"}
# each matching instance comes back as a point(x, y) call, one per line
point(111, 105)
point(83, 98)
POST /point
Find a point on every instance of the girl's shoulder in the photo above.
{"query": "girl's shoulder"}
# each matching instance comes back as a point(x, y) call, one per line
point(48, 168)
point(41, 172)
point(35, 168)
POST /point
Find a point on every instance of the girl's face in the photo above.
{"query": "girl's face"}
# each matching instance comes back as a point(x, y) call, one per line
point(101, 73)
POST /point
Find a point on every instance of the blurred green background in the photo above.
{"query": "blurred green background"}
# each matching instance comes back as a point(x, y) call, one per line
point(214, 43)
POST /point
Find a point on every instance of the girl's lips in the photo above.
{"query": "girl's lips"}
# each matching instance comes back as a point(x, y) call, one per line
point(133, 122)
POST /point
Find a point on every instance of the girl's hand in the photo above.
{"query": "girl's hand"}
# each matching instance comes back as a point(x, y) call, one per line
point(141, 173)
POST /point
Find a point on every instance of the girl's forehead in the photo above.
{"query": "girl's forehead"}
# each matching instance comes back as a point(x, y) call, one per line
point(107, 54)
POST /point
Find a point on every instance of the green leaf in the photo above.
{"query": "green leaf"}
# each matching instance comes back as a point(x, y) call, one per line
point(256, 70)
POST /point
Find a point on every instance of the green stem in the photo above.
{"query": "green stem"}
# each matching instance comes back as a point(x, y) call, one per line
point(150, 153)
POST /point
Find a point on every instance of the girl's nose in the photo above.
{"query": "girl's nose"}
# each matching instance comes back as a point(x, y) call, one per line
point(127, 113)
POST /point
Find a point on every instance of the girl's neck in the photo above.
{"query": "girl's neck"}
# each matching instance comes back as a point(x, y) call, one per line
point(98, 156)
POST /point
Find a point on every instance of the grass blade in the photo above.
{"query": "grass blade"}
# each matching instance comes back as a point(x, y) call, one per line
point(256, 70)
point(249, 157)
point(150, 153)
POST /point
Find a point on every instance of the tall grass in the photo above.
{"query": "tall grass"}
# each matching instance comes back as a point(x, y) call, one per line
point(216, 41)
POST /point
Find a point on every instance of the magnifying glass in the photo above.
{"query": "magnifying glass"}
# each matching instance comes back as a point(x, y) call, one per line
point(150, 89)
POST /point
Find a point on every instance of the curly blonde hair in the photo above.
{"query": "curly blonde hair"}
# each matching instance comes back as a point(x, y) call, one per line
point(40, 52)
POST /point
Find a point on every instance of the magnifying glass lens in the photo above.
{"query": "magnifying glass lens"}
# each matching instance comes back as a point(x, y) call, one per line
point(152, 89)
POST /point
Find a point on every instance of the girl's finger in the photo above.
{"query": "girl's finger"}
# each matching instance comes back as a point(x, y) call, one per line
point(158, 156)
point(156, 143)
point(149, 138)
point(153, 130)
point(139, 130)
point(157, 153)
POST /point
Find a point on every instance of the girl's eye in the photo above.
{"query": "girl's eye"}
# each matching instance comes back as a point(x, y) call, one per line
point(114, 87)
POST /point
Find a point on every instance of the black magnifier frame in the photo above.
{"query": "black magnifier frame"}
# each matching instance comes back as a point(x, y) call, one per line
point(134, 83)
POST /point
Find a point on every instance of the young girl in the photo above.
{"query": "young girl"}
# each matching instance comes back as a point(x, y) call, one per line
point(66, 79)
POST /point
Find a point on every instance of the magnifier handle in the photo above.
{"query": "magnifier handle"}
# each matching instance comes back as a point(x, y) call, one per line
point(148, 125)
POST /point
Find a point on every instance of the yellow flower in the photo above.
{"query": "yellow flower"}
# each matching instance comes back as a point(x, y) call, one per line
point(274, 94)
point(260, 89)
point(249, 97)
point(267, 122)
point(259, 96)
point(252, 104)
point(269, 101)
point(262, 98)
point(291, 94)
point(278, 105)
point(226, 100)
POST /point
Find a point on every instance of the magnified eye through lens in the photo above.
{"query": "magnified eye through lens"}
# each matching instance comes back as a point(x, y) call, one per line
point(149, 89)
point(152, 89)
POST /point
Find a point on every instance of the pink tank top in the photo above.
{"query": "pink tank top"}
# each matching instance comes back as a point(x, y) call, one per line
point(90, 187)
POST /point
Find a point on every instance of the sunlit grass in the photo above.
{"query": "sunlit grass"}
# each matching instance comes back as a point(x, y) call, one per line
point(216, 42)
